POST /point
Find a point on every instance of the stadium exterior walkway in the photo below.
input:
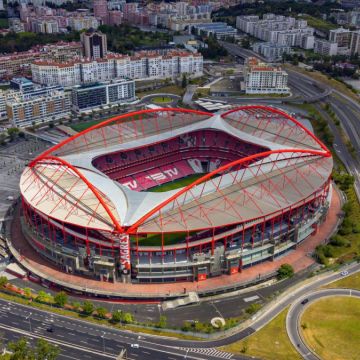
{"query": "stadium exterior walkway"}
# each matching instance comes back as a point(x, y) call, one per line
point(299, 259)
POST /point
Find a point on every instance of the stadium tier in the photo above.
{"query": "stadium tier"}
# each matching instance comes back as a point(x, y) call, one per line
point(171, 195)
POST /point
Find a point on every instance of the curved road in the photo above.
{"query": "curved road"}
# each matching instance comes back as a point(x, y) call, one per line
point(297, 309)
point(85, 340)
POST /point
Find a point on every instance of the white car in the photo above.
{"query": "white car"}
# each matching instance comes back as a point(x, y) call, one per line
point(344, 273)
point(135, 346)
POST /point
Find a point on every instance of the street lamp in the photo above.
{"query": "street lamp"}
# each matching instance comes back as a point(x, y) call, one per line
point(103, 338)
point(28, 318)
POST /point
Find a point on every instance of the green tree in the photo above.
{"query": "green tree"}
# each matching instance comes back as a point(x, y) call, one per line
point(184, 81)
point(27, 292)
point(20, 350)
point(253, 308)
point(101, 312)
point(116, 316)
point(61, 298)
point(87, 307)
point(3, 281)
point(127, 318)
point(13, 132)
point(42, 296)
point(46, 351)
point(285, 271)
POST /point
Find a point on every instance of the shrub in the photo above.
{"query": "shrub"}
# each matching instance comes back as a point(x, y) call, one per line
point(61, 298)
point(285, 271)
point(253, 308)
point(101, 312)
point(87, 307)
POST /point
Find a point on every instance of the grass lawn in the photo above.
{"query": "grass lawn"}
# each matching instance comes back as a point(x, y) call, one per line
point(84, 125)
point(176, 184)
point(319, 24)
point(161, 99)
point(333, 328)
point(169, 89)
point(350, 282)
point(269, 343)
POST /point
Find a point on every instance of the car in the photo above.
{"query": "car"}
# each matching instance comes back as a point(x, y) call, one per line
point(135, 346)
point(344, 273)
point(50, 329)
point(305, 301)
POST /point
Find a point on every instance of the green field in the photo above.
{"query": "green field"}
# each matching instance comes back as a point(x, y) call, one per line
point(84, 125)
point(155, 239)
point(269, 343)
point(332, 328)
point(349, 282)
point(176, 184)
point(161, 99)
point(168, 89)
point(319, 24)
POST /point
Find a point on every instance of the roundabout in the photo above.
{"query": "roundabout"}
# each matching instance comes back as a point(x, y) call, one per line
point(317, 327)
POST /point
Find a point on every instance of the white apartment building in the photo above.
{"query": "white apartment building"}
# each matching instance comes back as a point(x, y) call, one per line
point(325, 47)
point(261, 78)
point(355, 42)
point(271, 51)
point(278, 29)
point(144, 65)
point(39, 106)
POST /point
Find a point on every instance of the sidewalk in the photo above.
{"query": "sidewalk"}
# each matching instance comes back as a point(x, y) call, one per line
point(299, 259)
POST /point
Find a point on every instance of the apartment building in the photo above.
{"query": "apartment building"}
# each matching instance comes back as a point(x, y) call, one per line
point(271, 51)
point(38, 106)
point(325, 47)
point(143, 65)
point(340, 36)
point(94, 44)
point(278, 29)
point(262, 78)
point(87, 97)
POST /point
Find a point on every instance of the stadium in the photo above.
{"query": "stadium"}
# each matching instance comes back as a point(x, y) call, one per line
point(171, 195)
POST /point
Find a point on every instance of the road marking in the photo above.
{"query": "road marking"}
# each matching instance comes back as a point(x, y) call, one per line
point(251, 298)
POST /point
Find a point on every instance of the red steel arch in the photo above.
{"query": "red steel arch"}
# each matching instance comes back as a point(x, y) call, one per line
point(116, 224)
point(113, 119)
point(279, 112)
point(221, 169)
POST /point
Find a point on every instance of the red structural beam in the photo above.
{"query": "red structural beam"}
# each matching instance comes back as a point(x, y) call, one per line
point(221, 169)
point(279, 112)
point(116, 224)
point(114, 119)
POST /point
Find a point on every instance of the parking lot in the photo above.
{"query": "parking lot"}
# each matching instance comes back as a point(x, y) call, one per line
point(13, 158)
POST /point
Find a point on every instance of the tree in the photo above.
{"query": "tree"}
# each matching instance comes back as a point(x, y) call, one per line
point(45, 350)
point(127, 318)
point(27, 292)
point(285, 271)
point(42, 296)
point(184, 81)
point(13, 132)
point(116, 316)
point(3, 281)
point(20, 350)
point(88, 307)
point(61, 298)
point(101, 312)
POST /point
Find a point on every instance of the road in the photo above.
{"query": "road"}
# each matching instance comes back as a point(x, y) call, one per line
point(84, 339)
point(297, 309)
point(226, 307)
point(348, 112)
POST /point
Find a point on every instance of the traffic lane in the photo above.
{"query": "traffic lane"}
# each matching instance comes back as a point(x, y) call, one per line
point(296, 311)
point(87, 337)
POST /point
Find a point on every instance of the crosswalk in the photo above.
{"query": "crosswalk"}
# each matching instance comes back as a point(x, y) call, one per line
point(210, 352)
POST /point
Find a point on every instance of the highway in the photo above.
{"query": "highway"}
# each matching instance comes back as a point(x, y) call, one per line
point(83, 339)
point(307, 89)
point(296, 310)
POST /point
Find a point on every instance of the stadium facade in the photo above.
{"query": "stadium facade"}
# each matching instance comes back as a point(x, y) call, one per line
point(171, 195)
